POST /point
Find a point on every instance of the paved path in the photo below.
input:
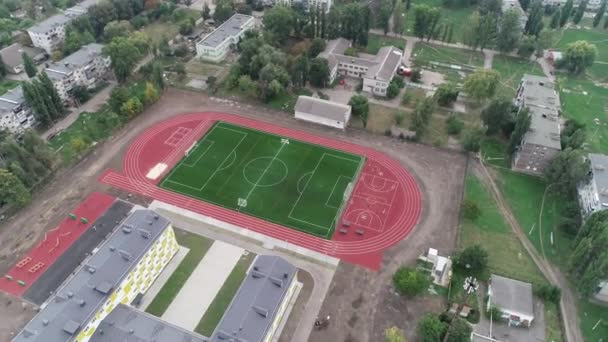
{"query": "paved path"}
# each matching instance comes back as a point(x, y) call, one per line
point(568, 301)
point(202, 286)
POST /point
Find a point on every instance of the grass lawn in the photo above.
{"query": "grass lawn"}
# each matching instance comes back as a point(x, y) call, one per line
point(157, 30)
point(553, 320)
point(287, 101)
point(507, 257)
point(288, 182)
point(198, 246)
point(6, 85)
point(425, 53)
point(375, 42)
point(590, 314)
point(599, 70)
point(511, 71)
point(524, 195)
point(222, 300)
point(494, 151)
point(458, 16)
point(585, 102)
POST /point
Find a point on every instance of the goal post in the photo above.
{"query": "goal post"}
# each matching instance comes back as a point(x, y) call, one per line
point(187, 152)
point(348, 190)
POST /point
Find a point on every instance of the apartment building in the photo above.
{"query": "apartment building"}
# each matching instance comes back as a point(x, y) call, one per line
point(12, 56)
point(15, 115)
point(84, 67)
point(215, 46)
point(308, 4)
point(542, 141)
point(376, 72)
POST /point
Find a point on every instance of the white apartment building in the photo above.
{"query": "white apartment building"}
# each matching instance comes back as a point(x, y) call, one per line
point(593, 194)
point(15, 114)
point(377, 72)
point(308, 4)
point(218, 43)
point(602, 291)
point(84, 67)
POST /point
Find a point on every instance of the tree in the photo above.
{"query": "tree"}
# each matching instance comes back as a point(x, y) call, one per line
point(486, 32)
point(132, 107)
point(317, 46)
point(600, 13)
point(279, 21)
point(409, 281)
point(81, 93)
point(116, 29)
point(394, 334)
point(206, 13)
point(3, 70)
point(124, 55)
point(567, 170)
point(224, 9)
point(384, 15)
point(497, 116)
point(319, 72)
point(360, 107)
point(524, 4)
point(158, 75)
point(522, 125)
point(299, 71)
point(470, 210)
point(78, 144)
point(543, 41)
point(490, 7)
point(425, 20)
point(29, 66)
point(470, 35)
point(473, 259)
point(471, 141)
point(578, 56)
point(460, 331)
point(605, 26)
point(566, 13)
point(481, 84)
point(454, 125)
point(446, 94)
point(431, 328)
point(399, 117)
point(118, 97)
point(12, 190)
point(392, 91)
point(150, 93)
point(56, 108)
point(421, 116)
point(416, 75)
point(555, 19)
point(535, 19)
point(36, 102)
point(573, 135)
point(509, 31)
point(580, 11)
point(247, 85)
point(527, 45)
point(398, 18)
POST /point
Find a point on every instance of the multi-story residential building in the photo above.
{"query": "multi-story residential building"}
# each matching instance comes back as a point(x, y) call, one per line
point(376, 71)
point(218, 43)
point(542, 141)
point(592, 5)
point(12, 56)
point(15, 114)
point(261, 305)
point(515, 6)
point(601, 292)
point(593, 191)
point(49, 34)
point(119, 270)
point(84, 67)
point(308, 4)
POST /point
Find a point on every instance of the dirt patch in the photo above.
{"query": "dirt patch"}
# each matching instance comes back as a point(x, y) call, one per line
point(14, 314)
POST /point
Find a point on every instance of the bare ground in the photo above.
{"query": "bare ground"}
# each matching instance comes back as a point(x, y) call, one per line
point(439, 173)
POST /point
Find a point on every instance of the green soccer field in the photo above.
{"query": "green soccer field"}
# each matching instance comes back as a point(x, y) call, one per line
point(288, 182)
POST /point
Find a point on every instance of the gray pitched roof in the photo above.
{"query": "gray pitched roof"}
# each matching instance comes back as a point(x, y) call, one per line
point(511, 294)
point(11, 99)
point(11, 55)
point(82, 57)
point(82, 295)
point(388, 60)
point(328, 109)
point(599, 168)
point(229, 28)
point(540, 97)
point(253, 308)
point(51, 23)
point(126, 324)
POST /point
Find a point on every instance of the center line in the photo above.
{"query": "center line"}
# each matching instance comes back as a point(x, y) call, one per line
point(264, 172)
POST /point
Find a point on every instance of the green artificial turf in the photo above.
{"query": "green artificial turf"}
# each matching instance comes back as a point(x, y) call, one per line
point(295, 184)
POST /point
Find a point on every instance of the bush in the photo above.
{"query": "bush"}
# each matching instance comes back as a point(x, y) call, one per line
point(398, 80)
point(548, 293)
point(495, 313)
point(399, 117)
point(392, 91)
point(410, 282)
point(446, 94)
point(181, 50)
point(81, 93)
point(139, 21)
point(470, 210)
point(473, 259)
point(416, 75)
point(471, 141)
point(454, 124)
point(407, 98)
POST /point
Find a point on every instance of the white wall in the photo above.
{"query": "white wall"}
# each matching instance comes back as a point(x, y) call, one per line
point(375, 87)
point(320, 120)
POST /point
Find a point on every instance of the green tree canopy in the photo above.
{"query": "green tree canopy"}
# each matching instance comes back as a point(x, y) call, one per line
point(431, 328)
point(124, 54)
point(509, 31)
point(410, 282)
point(567, 170)
point(29, 66)
point(360, 107)
point(498, 116)
point(473, 259)
point(279, 21)
point(578, 56)
point(12, 190)
point(394, 334)
point(482, 84)
point(319, 72)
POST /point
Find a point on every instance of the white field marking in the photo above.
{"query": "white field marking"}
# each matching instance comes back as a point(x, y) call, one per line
point(264, 172)
point(179, 131)
point(300, 180)
point(156, 171)
point(532, 229)
point(202, 154)
point(233, 153)
point(214, 172)
point(306, 186)
point(371, 186)
point(255, 168)
point(332, 191)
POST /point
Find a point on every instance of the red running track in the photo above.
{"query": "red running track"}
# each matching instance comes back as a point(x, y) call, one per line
point(55, 242)
point(385, 203)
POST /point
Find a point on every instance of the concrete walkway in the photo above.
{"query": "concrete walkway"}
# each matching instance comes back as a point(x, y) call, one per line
point(204, 283)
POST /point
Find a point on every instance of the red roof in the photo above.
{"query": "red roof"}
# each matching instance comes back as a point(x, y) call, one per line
point(55, 242)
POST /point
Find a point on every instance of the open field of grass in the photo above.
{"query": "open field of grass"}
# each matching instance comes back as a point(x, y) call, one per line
point(425, 53)
point(6, 85)
point(585, 102)
point(457, 16)
point(375, 42)
point(157, 30)
point(198, 246)
point(507, 257)
point(593, 315)
point(288, 182)
point(599, 70)
point(511, 71)
point(222, 300)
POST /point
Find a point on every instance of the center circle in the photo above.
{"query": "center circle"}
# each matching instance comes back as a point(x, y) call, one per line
point(265, 171)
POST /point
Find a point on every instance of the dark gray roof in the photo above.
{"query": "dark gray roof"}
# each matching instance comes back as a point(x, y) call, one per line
point(229, 28)
point(599, 168)
point(253, 308)
point(11, 55)
point(82, 7)
point(74, 61)
point(82, 295)
point(511, 294)
point(51, 23)
point(11, 99)
point(540, 97)
point(328, 109)
point(126, 324)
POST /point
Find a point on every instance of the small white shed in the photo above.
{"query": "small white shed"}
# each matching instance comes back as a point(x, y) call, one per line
point(322, 112)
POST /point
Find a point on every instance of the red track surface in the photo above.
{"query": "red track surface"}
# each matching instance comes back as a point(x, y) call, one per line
point(56, 241)
point(385, 203)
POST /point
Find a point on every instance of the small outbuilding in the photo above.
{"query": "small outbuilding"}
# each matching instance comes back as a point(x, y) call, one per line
point(513, 298)
point(322, 112)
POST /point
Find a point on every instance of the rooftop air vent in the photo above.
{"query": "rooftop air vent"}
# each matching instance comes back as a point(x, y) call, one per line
point(278, 282)
point(145, 233)
point(260, 311)
point(125, 255)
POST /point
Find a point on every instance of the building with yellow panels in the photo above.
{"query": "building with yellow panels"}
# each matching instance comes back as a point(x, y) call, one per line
point(120, 269)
